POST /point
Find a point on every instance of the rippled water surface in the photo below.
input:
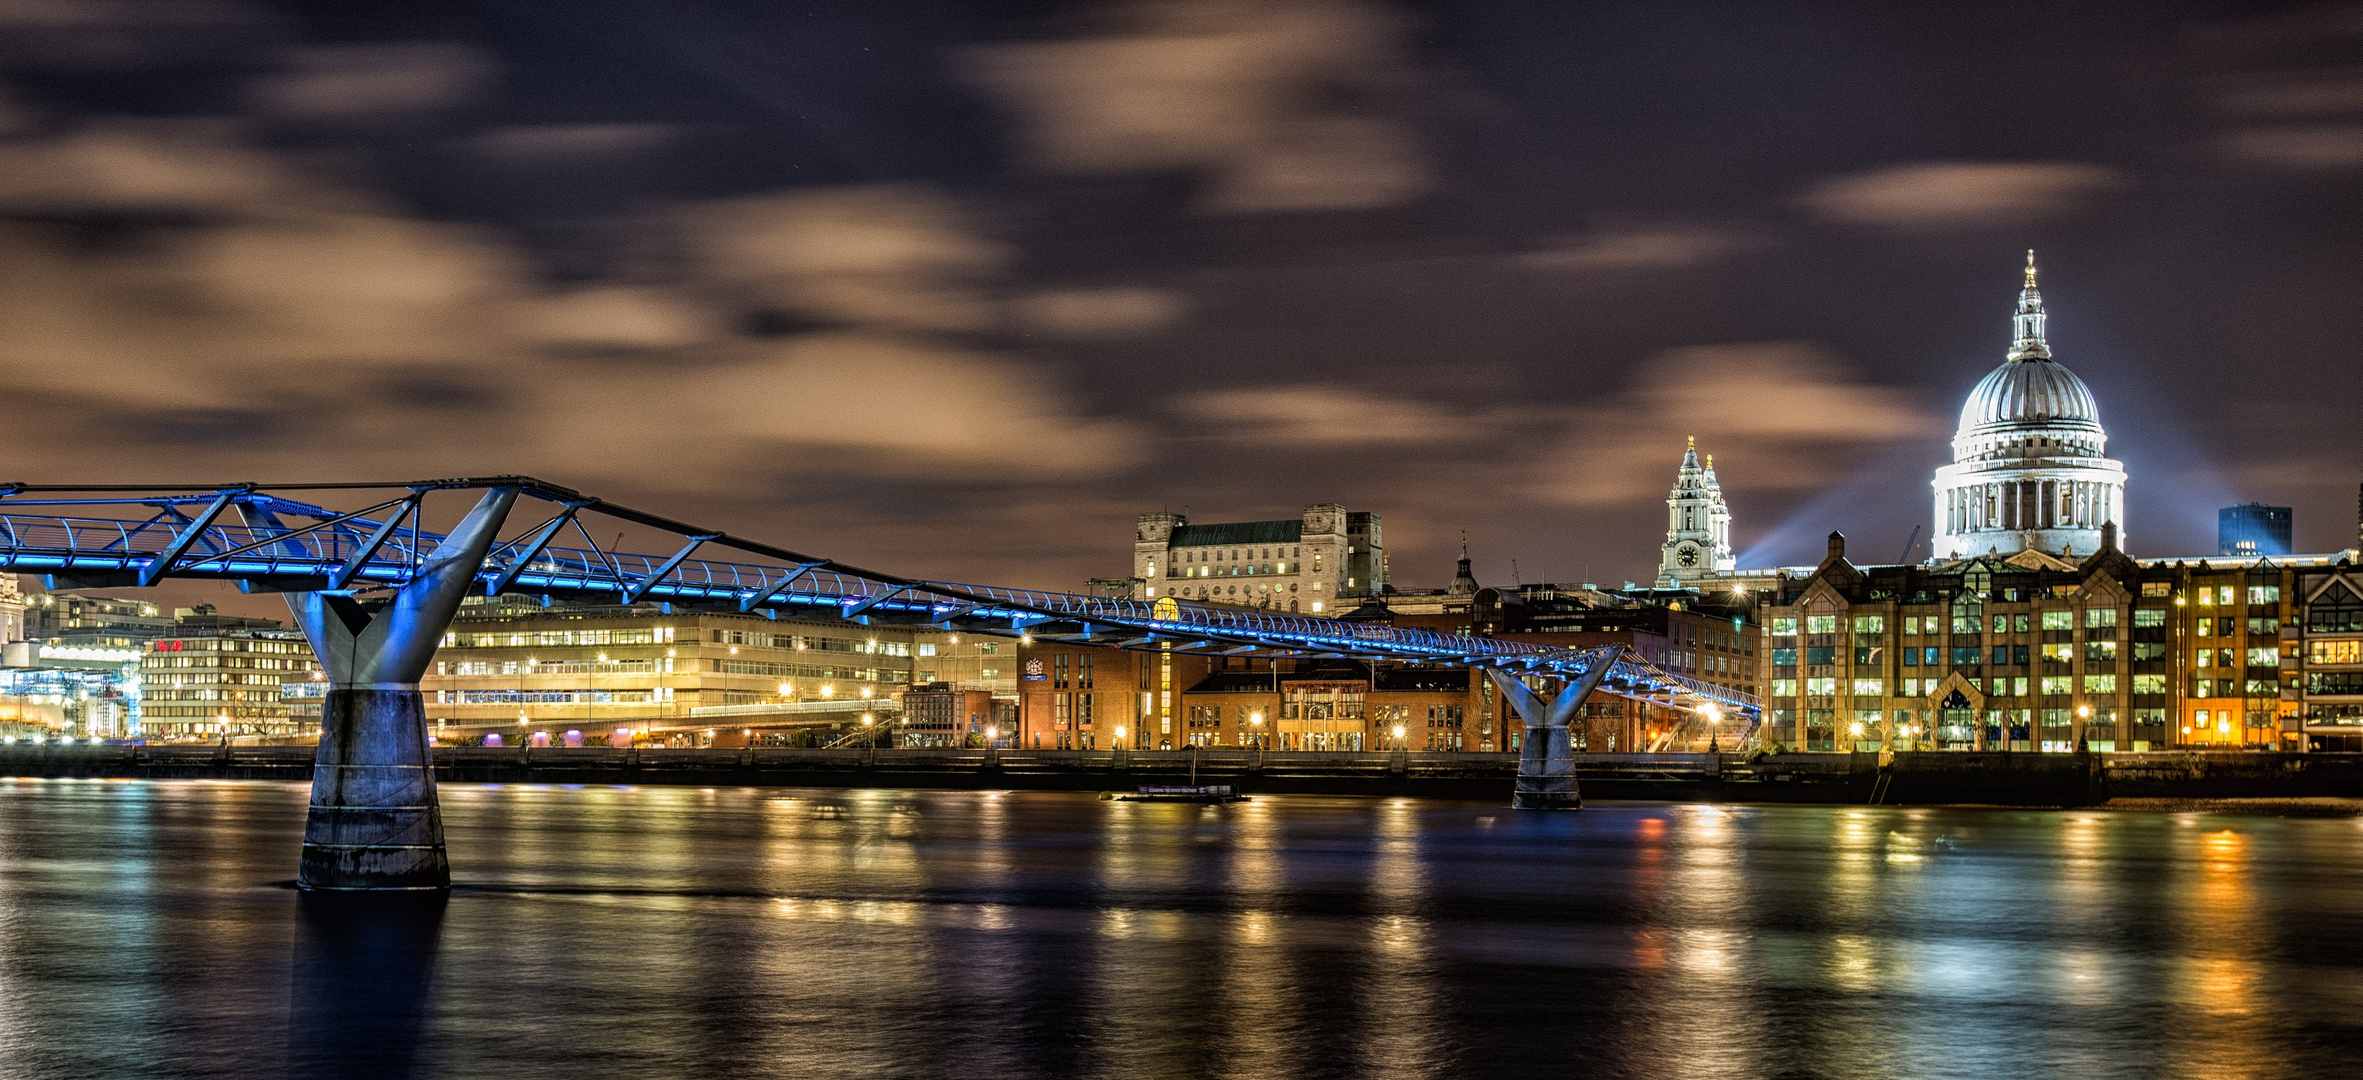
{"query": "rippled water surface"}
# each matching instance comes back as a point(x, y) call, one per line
point(148, 929)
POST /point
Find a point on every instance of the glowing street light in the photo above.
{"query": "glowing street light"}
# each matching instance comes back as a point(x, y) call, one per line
point(1119, 736)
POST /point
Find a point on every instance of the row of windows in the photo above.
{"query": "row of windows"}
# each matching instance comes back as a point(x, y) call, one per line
point(2003, 686)
point(554, 697)
point(2328, 618)
point(649, 666)
point(228, 645)
point(2334, 652)
point(213, 662)
point(657, 635)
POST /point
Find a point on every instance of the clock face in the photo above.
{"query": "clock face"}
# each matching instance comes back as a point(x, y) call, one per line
point(1687, 556)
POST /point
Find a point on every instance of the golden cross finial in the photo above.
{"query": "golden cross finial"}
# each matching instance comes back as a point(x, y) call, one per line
point(1693, 442)
point(2030, 268)
point(1710, 461)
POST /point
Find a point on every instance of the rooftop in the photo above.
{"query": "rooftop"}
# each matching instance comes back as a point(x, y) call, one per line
point(1235, 533)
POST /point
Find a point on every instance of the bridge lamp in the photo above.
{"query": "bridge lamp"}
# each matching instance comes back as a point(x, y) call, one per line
point(868, 719)
point(866, 692)
point(828, 689)
point(1119, 733)
point(786, 688)
point(1398, 734)
point(1855, 728)
point(992, 733)
point(2083, 712)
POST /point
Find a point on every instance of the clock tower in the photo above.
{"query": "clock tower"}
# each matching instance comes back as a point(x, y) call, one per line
point(1698, 524)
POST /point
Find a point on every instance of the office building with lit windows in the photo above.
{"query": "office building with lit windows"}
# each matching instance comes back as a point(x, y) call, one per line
point(233, 684)
point(2033, 653)
point(2251, 530)
point(510, 668)
point(2327, 654)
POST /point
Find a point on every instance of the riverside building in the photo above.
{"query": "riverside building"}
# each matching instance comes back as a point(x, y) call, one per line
point(1092, 698)
point(511, 669)
point(1304, 565)
point(253, 683)
point(2031, 652)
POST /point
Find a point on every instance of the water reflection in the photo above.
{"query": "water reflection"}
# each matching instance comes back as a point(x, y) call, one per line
point(673, 932)
point(362, 972)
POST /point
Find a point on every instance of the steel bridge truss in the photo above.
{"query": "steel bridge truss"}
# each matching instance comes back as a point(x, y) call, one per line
point(265, 539)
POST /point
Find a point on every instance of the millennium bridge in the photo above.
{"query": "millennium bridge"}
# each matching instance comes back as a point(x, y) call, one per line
point(374, 588)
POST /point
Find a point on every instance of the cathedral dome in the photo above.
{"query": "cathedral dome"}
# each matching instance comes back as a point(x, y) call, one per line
point(2029, 392)
point(2028, 471)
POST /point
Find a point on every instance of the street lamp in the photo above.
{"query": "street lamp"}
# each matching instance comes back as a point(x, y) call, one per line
point(1714, 727)
point(1257, 719)
point(1398, 736)
point(1119, 737)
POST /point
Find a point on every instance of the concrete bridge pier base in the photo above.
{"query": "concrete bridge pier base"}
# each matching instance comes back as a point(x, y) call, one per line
point(1546, 756)
point(1546, 772)
point(374, 822)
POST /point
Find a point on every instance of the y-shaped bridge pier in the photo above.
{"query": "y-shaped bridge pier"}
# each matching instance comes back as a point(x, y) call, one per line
point(374, 589)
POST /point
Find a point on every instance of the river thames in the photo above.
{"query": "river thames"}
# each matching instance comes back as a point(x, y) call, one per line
point(150, 928)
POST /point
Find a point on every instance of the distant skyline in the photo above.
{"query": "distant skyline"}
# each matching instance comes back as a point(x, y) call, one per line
point(957, 289)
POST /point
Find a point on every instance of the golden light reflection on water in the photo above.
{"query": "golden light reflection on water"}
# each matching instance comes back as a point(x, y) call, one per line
point(1398, 993)
point(1252, 968)
point(2217, 975)
point(897, 933)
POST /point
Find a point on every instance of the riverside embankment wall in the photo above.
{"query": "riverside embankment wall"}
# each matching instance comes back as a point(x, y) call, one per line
point(1910, 778)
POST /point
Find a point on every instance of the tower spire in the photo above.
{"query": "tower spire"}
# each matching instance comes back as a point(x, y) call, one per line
point(2027, 326)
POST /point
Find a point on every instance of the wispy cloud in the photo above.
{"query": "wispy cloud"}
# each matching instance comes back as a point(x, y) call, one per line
point(1938, 195)
point(1278, 106)
point(1785, 414)
point(1315, 417)
point(366, 82)
point(1631, 247)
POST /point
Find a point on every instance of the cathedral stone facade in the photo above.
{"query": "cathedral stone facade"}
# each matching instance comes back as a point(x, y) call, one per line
point(1698, 525)
point(2028, 471)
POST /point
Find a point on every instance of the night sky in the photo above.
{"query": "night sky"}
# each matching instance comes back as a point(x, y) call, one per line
point(956, 290)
